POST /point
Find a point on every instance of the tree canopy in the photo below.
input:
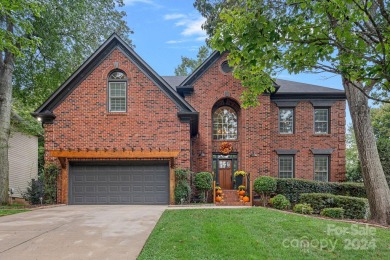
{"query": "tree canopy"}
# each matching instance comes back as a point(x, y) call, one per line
point(69, 31)
point(188, 65)
point(343, 37)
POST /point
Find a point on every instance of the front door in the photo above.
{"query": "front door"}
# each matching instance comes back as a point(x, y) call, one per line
point(225, 174)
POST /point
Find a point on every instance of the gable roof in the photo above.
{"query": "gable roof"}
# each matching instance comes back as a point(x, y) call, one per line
point(45, 111)
point(284, 89)
point(174, 81)
point(201, 69)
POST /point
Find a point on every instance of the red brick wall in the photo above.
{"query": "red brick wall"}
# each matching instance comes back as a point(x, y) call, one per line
point(258, 130)
point(253, 123)
point(304, 139)
point(151, 122)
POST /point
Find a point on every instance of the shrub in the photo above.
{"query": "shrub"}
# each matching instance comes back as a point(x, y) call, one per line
point(354, 208)
point(181, 174)
point(293, 188)
point(264, 186)
point(303, 208)
point(50, 182)
point(204, 182)
point(280, 202)
point(34, 192)
point(182, 192)
point(333, 212)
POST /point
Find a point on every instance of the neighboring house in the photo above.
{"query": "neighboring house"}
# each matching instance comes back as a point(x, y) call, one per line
point(23, 160)
point(119, 130)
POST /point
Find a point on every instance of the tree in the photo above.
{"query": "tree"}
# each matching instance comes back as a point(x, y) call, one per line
point(188, 65)
point(70, 31)
point(44, 41)
point(15, 32)
point(349, 38)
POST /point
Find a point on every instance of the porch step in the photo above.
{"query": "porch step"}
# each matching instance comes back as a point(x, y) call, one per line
point(231, 198)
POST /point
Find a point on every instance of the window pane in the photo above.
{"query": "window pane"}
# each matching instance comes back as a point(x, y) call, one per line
point(286, 166)
point(321, 121)
point(321, 170)
point(225, 124)
point(117, 75)
point(286, 121)
point(117, 93)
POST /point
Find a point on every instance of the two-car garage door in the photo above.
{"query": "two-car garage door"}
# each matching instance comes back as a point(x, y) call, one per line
point(132, 183)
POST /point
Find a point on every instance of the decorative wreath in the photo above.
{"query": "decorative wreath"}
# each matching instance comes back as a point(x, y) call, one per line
point(226, 148)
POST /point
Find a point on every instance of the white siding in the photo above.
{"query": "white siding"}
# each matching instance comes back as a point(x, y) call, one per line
point(23, 161)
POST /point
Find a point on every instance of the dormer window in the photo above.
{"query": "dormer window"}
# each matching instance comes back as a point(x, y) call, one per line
point(117, 92)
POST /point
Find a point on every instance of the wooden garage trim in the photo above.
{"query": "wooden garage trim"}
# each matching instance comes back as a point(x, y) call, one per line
point(114, 154)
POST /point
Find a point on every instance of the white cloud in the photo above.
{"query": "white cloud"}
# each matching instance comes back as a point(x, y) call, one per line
point(192, 27)
point(175, 41)
point(174, 16)
point(133, 2)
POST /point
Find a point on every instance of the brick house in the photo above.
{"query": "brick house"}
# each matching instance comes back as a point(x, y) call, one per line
point(118, 129)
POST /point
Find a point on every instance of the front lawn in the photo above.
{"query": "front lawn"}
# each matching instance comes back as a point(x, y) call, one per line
point(5, 212)
point(260, 233)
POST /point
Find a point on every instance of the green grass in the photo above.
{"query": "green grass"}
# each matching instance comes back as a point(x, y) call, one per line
point(5, 212)
point(13, 206)
point(258, 233)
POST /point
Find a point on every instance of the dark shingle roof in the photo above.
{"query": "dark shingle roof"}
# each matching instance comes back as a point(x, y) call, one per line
point(174, 81)
point(287, 86)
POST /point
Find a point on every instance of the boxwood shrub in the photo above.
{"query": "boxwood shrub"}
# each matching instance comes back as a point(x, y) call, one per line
point(303, 208)
point(354, 208)
point(292, 188)
point(280, 202)
point(333, 212)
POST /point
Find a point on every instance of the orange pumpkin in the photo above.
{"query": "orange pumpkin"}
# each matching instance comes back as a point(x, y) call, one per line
point(219, 191)
point(241, 193)
point(218, 199)
point(245, 199)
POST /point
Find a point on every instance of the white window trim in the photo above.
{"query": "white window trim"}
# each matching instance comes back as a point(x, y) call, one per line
point(293, 165)
point(109, 97)
point(293, 120)
point(327, 122)
point(327, 166)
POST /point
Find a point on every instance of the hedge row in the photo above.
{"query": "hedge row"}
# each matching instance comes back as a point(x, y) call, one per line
point(354, 208)
point(293, 188)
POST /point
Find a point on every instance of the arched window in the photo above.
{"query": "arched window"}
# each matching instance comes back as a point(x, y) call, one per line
point(117, 82)
point(225, 124)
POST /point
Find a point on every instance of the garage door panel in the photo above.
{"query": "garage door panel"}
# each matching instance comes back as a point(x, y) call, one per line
point(119, 184)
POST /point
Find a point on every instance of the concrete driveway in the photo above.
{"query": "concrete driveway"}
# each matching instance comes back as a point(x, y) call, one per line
point(78, 232)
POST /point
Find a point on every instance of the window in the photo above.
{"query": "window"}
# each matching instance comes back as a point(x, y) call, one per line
point(117, 82)
point(321, 168)
point(286, 120)
point(321, 120)
point(225, 124)
point(286, 166)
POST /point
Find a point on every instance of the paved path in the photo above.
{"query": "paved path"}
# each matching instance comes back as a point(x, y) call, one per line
point(78, 232)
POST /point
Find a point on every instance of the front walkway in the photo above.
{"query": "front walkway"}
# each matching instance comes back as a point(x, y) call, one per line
point(78, 232)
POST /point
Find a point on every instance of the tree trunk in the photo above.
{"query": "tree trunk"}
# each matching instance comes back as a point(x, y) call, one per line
point(377, 189)
point(5, 117)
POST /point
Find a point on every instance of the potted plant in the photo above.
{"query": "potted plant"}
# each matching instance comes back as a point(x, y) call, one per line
point(241, 190)
point(239, 176)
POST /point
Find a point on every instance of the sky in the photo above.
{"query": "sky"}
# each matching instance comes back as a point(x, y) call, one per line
point(165, 30)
